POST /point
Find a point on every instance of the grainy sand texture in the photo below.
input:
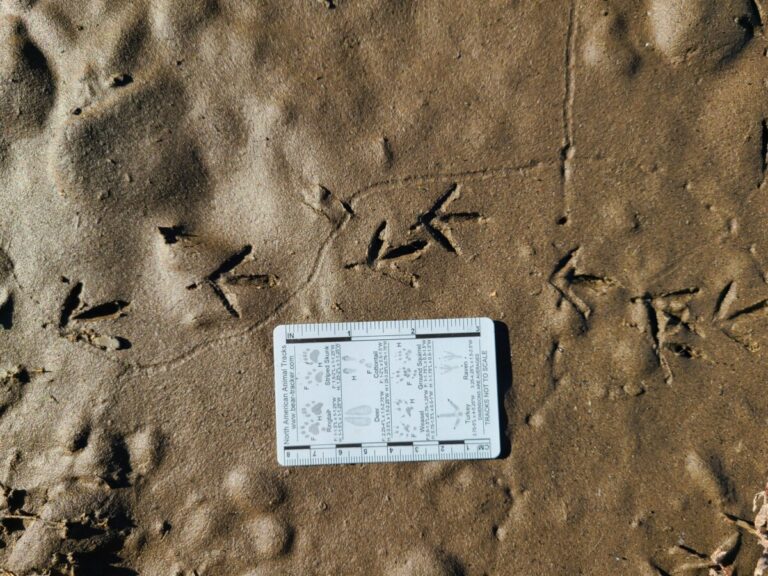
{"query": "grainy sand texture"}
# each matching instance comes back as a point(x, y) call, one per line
point(177, 177)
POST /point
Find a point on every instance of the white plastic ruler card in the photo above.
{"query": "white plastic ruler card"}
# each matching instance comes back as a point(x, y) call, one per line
point(386, 391)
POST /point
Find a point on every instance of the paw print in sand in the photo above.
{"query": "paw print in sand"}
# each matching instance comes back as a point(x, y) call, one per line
point(26, 83)
point(231, 531)
point(423, 561)
point(682, 33)
point(447, 485)
point(701, 32)
point(67, 512)
point(77, 526)
point(12, 383)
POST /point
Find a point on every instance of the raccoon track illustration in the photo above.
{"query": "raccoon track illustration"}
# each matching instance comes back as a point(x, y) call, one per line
point(313, 414)
point(313, 409)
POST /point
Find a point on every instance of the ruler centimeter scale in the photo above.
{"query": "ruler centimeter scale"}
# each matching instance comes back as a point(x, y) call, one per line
point(387, 391)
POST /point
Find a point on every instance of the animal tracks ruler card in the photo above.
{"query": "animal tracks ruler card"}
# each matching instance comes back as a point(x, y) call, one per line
point(395, 391)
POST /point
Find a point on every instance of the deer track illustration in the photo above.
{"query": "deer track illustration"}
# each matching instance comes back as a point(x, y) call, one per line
point(359, 415)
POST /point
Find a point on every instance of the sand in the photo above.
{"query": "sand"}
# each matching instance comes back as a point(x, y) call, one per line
point(177, 177)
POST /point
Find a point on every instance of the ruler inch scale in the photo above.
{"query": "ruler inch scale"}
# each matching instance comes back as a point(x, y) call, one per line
point(386, 391)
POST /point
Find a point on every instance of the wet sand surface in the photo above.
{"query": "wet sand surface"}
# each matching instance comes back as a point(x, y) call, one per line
point(177, 177)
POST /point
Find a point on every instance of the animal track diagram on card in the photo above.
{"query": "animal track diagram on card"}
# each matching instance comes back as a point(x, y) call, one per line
point(386, 391)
